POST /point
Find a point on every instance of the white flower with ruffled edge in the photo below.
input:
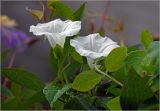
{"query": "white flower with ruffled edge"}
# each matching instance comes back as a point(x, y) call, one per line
point(93, 46)
point(57, 30)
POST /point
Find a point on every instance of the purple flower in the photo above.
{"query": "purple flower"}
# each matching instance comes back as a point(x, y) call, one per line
point(13, 38)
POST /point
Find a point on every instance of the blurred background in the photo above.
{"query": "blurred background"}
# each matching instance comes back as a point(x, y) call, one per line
point(136, 16)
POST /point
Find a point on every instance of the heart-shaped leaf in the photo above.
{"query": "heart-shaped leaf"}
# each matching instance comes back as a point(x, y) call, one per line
point(85, 81)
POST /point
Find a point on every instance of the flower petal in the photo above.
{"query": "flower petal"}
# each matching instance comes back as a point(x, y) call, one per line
point(57, 30)
point(71, 28)
point(57, 39)
point(93, 46)
point(47, 28)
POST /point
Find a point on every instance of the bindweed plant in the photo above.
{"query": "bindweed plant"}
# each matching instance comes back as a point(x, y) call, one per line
point(92, 72)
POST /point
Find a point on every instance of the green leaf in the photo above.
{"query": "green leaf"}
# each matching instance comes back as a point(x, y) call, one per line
point(71, 70)
point(53, 93)
point(5, 92)
point(115, 60)
point(114, 91)
point(149, 107)
point(146, 38)
point(53, 61)
point(153, 50)
point(79, 103)
point(12, 104)
point(58, 105)
point(85, 81)
point(120, 74)
point(69, 50)
point(38, 106)
point(149, 66)
point(101, 101)
point(26, 93)
point(60, 9)
point(154, 83)
point(67, 47)
point(77, 56)
point(23, 78)
point(56, 57)
point(16, 89)
point(37, 97)
point(134, 60)
point(61, 92)
point(151, 61)
point(78, 14)
point(134, 91)
point(114, 104)
point(133, 48)
point(85, 67)
point(50, 92)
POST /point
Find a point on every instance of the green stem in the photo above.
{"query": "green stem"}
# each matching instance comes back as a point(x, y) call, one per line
point(64, 74)
point(110, 77)
point(60, 74)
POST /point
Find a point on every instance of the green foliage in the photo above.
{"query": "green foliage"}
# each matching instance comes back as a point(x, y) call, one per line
point(53, 93)
point(115, 91)
point(72, 70)
point(60, 9)
point(70, 51)
point(16, 89)
point(135, 91)
point(53, 61)
point(115, 60)
point(79, 103)
point(134, 60)
point(85, 81)
point(58, 105)
point(121, 74)
point(57, 52)
point(78, 14)
point(76, 56)
point(133, 48)
point(153, 82)
point(76, 87)
point(5, 92)
point(151, 61)
point(146, 38)
point(37, 97)
point(114, 104)
point(23, 98)
point(12, 104)
point(56, 57)
point(23, 78)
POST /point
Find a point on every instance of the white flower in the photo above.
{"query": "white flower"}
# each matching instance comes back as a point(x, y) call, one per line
point(57, 30)
point(93, 46)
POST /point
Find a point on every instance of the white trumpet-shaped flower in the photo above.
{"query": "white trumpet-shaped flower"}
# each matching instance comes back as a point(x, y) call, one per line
point(93, 46)
point(57, 30)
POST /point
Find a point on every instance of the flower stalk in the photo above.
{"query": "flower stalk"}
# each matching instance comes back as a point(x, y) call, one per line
point(103, 73)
